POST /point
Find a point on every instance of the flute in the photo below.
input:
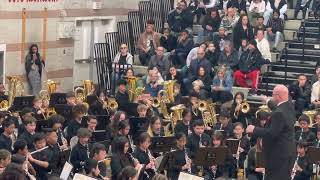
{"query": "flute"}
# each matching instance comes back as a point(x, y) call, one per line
point(39, 150)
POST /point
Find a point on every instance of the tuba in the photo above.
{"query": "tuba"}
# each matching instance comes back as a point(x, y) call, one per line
point(87, 86)
point(161, 101)
point(16, 88)
point(263, 108)
point(132, 85)
point(112, 104)
point(311, 114)
point(208, 119)
point(169, 88)
point(4, 105)
point(80, 96)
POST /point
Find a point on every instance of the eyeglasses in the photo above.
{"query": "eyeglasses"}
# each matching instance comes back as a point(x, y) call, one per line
point(123, 47)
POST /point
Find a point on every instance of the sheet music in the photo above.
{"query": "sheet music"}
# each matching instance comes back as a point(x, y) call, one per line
point(186, 176)
point(82, 177)
point(67, 168)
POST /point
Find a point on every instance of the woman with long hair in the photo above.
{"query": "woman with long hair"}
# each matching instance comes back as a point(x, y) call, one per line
point(254, 172)
point(236, 114)
point(243, 30)
point(34, 68)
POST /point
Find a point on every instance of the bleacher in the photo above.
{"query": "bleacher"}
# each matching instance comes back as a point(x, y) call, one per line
point(299, 53)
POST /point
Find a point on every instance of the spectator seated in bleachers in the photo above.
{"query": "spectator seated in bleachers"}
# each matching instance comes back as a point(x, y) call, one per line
point(239, 5)
point(161, 61)
point(244, 46)
point(256, 9)
point(184, 46)
point(153, 87)
point(249, 67)
point(243, 30)
point(200, 8)
point(220, 38)
point(315, 8)
point(193, 53)
point(223, 6)
point(314, 77)
point(259, 25)
point(148, 43)
point(275, 29)
point(229, 21)
point(315, 95)
point(263, 45)
point(152, 70)
point(210, 25)
point(229, 58)
point(212, 54)
point(181, 18)
point(275, 5)
point(122, 59)
point(193, 68)
point(168, 41)
point(222, 87)
point(300, 91)
point(205, 79)
point(302, 5)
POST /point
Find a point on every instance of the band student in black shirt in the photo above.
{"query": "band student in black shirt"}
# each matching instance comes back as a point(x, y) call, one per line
point(124, 129)
point(40, 160)
point(144, 156)
point(53, 151)
point(98, 107)
point(80, 152)
point(99, 153)
point(253, 171)
point(305, 134)
point(302, 169)
point(180, 162)
point(184, 126)
point(78, 112)
point(122, 96)
point(197, 139)
point(5, 139)
point(121, 158)
point(155, 127)
point(224, 124)
point(30, 126)
point(91, 168)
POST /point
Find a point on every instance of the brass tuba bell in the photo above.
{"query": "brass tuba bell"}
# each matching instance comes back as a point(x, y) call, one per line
point(112, 104)
point(16, 88)
point(87, 86)
point(4, 105)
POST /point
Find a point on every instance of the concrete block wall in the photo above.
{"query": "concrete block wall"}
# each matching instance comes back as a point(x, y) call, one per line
point(60, 52)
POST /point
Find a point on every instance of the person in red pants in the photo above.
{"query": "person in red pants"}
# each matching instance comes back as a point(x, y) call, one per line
point(249, 67)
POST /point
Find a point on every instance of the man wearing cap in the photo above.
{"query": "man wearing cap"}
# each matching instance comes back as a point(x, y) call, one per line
point(249, 67)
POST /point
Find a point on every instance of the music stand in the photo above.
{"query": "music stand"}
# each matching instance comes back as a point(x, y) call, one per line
point(57, 98)
point(21, 102)
point(208, 156)
point(161, 144)
point(41, 124)
point(99, 135)
point(233, 144)
point(132, 109)
point(138, 126)
point(64, 110)
point(64, 156)
point(103, 122)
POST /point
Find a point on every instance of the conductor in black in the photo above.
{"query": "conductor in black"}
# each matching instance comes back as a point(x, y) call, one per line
point(278, 143)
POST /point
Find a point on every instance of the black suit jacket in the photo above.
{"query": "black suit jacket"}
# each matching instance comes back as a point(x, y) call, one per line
point(278, 139)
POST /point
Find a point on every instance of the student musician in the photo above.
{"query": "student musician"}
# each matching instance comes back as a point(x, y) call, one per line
point(244, 145)
point(25, 114)
point(99, 153)
point(91, 168)
point(114, 125)
point(40, 160)
point(181, 161)
point(184, 126)
point(71, 98)
point(92, 123)
point(128, 173)
point(5, 137)
point(122, 96)
point(236, 113)
point(5, 159)
point(317, 121)
point(20, 148)
point(144, 155)
point(228, 168)
point(80, 152)
point(37, 109)
point(197, 138)
point(124, 129)
point(55, 122)
point(23, 162)
point(305, 134)
point(53, 151)
point(28, 135)
point(193, 106)
point(99, 106)
point(224, 124)
point(78, 112)
point(261, 120)
point(142, 110)
point(121, 158)
point(302, 169)
point(254, 172)
point(155, 127)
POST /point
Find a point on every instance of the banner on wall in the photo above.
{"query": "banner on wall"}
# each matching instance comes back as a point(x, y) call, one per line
point(31, 1)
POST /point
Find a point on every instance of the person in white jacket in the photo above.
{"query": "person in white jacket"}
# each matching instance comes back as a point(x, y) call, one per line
point(263, 45)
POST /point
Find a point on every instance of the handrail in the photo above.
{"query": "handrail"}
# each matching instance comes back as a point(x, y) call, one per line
point(303, 36)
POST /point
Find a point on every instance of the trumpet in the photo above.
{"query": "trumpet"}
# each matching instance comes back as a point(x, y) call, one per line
point(244, 108)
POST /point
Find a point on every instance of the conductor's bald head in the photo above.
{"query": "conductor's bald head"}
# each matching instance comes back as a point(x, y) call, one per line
point(280, 93)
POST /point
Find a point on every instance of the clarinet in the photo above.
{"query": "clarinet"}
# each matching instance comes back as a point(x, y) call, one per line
point(294, 171)
point(200, 141)
point(300, 137)
point(151, 159)
point(187, 159)
point(136, 161)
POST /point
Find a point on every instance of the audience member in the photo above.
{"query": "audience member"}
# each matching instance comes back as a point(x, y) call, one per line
point(153, 87)
point(222, 87)
point(229, 21)
point(256, 9)
point(275, 5)
point(243, 30)
point(210, 25)
point(229, 58)
point(184, 46)
point(180, 19)
point(239, 5)
point(193, 53)
point(300, 91)
point(275, 29)
point(302, 5)
point(263, 45)
point(212, 54)
point(220, 38)
point(161, 61)
point(314, 77)
point(168, 41)
point(259, 25)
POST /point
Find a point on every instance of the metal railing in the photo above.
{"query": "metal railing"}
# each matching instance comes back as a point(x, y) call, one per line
point(103, 64)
